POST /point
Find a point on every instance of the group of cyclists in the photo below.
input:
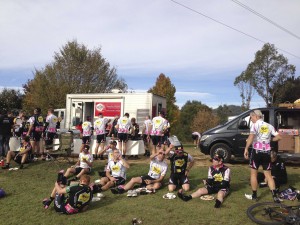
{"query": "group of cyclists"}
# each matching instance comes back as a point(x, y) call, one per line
point(154, 131)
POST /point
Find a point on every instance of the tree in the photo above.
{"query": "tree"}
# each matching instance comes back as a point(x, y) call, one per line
point(10, 99)
point(268, 72)
point(75, 69)
point(164, 87)
point(245, 84)
point(204, 120)
point(187, 114)
point(224, 111)
point(289, 91)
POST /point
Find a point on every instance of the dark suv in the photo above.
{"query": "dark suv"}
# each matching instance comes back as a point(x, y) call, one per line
point(229, 139)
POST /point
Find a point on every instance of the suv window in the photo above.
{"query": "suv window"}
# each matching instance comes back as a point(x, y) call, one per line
point(287, 119)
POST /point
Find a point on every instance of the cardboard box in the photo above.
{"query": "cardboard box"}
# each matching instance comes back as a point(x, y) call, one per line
point(297, 144)
point(286, 105)
point(287, 143)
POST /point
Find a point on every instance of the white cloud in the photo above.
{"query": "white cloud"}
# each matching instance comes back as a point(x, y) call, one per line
point(144, 38)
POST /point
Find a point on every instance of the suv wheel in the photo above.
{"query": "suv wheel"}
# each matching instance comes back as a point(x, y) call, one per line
point(222, 149)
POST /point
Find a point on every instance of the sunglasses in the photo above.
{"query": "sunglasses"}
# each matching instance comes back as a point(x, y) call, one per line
point(162, 153)
point(216, 159)
point(179, 152)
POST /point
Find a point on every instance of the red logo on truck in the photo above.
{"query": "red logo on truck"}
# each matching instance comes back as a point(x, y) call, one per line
point(108, 109)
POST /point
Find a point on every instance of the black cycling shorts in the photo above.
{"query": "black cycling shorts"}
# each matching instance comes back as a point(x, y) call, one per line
point(146, 177)
point(35, 136)
point(101, 138)
point(157, 140)
point(122, 137)
point(258, 158)
point(78, 170)
point(86, 140)
point(213, 190)
point(178, 179)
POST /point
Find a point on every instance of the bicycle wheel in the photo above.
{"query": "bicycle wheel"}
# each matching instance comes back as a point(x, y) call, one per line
point(268, 213)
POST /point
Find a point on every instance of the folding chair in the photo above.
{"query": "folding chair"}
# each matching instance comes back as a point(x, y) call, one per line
point(62, 150)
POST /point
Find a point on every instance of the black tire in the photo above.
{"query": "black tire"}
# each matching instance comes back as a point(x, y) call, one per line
point(222, 149)
point(257, 213)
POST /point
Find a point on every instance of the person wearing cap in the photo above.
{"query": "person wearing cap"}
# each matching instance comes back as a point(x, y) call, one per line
point(82, 166)
point(87, 129)
point(22, 155)
point(260, 138)
point(123, 126)
point(153, 180)
point(115, 172)
point(99, 127)
point(35, 131)
point(218, 182)
point(159, 124)
point(181, 162)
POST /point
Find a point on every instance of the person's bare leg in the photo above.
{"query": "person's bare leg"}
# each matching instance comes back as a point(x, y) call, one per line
point(132, 182)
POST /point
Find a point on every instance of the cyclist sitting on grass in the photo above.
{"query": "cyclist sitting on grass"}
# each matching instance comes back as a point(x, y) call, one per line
point(115, 172)
point(22, 156)
point(83, 165)
point(218, 182)
point(156, 174)
point(70, 199)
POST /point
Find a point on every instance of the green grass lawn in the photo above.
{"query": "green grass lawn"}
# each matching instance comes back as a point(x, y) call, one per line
point(27, 188)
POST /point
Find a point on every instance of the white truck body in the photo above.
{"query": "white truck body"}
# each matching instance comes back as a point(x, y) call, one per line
point(138, 105)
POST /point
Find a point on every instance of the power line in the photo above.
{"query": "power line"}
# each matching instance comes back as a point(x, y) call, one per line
point(217, 21)
point(265, 18)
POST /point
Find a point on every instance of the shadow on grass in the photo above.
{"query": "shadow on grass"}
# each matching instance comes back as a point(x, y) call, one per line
point(103, 202)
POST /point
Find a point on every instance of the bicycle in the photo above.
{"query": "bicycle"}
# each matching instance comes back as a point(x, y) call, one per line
point(270, 213)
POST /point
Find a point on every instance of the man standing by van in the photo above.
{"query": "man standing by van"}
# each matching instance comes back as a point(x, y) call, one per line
point(260, 137)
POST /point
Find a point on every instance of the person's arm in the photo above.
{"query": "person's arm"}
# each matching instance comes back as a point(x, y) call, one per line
point(249, 141)
point(169, 149)
point(277, 137)
point(109, 176)
point(190, 165)
point(59, 189)
point(26, 150)
point(153, 156)
point(103, 150)
point(125, 164)
point(31, 123)
point(76, 164)
point(88, 162)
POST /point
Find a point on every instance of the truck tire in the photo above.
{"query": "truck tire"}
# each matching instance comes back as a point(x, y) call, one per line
point(222, 149)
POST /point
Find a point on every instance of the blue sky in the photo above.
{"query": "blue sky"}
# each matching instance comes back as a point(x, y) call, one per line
point(144, 38)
